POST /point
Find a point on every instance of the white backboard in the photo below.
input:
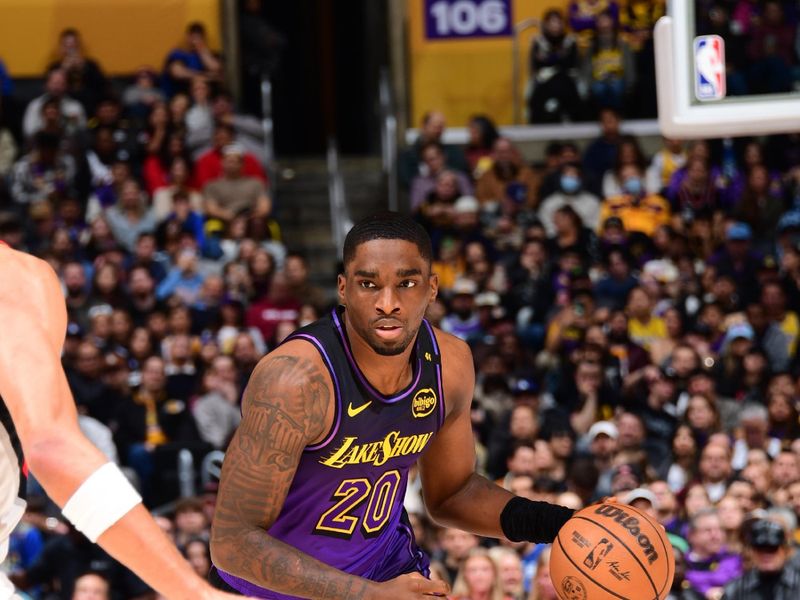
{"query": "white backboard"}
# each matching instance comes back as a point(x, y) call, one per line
point(681, 115)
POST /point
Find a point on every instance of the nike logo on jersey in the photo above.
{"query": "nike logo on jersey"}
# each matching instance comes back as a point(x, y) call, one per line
point(352, 412)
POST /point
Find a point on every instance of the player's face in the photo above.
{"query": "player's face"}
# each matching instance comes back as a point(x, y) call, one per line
point(386, 289)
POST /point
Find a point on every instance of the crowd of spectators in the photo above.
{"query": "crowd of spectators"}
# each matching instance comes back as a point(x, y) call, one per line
point(634, 323)
point(597, 53)
point(600, 53)
point(633, 318)
point(150, 200)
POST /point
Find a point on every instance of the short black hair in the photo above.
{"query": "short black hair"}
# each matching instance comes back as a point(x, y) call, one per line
point(387, 225)
point(196, 27)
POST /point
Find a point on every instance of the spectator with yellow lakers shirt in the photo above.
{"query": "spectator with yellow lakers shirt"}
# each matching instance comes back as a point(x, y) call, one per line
point(638, 210)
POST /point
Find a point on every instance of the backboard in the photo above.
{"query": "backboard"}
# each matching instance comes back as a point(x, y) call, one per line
point(694, 101)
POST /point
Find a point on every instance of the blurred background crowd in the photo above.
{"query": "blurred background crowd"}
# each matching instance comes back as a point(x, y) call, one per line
point(633, 315)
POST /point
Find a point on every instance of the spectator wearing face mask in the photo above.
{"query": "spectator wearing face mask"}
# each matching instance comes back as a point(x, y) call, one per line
point(570, 193)
point(639, 211)
point(629, 152)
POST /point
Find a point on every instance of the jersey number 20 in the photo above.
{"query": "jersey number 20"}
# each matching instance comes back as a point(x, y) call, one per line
point(341, 519)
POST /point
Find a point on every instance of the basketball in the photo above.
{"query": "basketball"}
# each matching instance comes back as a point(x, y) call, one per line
point(612, 550)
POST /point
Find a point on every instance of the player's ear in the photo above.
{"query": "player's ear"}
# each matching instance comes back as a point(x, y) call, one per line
point(434, 279)
point(341, 282)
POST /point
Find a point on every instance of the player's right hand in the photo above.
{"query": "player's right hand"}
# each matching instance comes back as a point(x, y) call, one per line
point(411, 586)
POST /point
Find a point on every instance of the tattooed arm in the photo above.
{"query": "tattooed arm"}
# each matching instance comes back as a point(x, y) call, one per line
point(287, 405)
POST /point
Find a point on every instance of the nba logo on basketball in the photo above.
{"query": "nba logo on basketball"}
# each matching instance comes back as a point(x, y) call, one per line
point(709, 66)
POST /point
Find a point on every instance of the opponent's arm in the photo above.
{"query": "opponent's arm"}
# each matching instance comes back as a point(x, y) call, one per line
point(457, 496)
point(35, 390)
point(286, 406)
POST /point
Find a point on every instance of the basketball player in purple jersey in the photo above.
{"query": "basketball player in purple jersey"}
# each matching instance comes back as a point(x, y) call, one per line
point(311, 498)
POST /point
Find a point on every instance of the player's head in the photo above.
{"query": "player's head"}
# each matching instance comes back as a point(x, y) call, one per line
point(387, 281)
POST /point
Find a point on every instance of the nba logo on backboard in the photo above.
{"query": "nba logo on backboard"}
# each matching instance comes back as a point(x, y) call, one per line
point(709, 67)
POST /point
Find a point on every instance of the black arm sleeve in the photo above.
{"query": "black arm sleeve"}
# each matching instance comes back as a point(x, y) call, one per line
point(525, 520)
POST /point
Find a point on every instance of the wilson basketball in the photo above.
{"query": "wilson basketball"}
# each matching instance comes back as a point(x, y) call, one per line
point(612, 550)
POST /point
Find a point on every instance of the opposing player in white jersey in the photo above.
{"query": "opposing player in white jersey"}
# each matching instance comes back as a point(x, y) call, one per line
point(38, 420)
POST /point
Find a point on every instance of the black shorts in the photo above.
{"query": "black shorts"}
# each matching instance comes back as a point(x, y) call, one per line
point(218, 582)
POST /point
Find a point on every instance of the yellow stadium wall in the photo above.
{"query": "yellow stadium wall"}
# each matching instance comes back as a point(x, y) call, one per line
point(120, 34)
point(463, 77)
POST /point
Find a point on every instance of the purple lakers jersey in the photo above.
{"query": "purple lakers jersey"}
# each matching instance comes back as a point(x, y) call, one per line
point(345, 504)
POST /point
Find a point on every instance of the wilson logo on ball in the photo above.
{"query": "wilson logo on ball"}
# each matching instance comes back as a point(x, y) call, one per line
point(612, 551)
point(631, 525)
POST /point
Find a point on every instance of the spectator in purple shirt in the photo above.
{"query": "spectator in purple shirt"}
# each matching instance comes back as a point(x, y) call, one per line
point(699, 150)
point(583, 16)
point(433, 155)
point(709, 566)
point(463, 322)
